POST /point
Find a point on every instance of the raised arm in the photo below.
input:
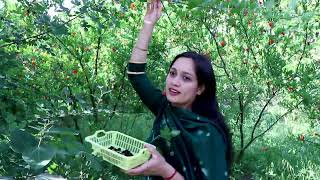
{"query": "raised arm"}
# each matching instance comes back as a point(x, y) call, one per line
point(150, 96)
point(139, 52)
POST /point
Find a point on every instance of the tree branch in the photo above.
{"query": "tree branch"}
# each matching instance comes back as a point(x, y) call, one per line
point(97, 53)
point(261, 113)
point(79, 58)
point(241, 114)
point(165, 11)
point(119, 96)
point(38, 36)
point(248, 40)
point(91, 90)
point(240, 98)
point(304, 48)
point(221, 58)
point(271, 126)
point(74, 105)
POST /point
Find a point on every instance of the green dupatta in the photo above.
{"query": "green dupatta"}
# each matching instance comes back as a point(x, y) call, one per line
point(192, 144)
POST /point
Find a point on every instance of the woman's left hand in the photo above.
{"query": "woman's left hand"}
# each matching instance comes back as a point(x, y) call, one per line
point(156, 166)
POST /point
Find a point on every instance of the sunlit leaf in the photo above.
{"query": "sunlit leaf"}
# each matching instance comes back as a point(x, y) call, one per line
point(38, 157)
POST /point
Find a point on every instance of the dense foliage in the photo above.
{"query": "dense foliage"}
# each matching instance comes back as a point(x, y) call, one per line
point(63, 67)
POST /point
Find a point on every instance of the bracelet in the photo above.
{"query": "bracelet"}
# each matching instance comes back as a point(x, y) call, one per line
point(147, 22)
point(135, 73)
point(169, 178)
point(140, 48)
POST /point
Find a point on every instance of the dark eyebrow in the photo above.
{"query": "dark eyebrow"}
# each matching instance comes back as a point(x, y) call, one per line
point(172, 68)
point(184, 72)
point(187, 73)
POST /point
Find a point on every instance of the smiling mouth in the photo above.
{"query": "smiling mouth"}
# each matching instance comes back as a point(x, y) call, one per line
point(173, 92)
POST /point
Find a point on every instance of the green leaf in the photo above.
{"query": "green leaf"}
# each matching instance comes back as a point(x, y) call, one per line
point(38, 157)
point(21, 141)
point(293, 4)
point(3, 146)
point(10, 118)
point(93, 162)
point(269, 4)
point(165, 133)
point(194, 3)
point(71, 146)
point(307, 16)
point(58, 28)
point(43, 19)
point(175, 133)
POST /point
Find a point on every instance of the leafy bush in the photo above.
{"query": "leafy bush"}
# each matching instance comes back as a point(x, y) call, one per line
point(63, 77)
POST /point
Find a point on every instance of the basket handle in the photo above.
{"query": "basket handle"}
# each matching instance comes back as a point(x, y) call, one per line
point(99, 131)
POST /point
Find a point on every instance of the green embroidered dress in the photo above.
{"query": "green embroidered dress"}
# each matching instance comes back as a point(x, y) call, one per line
point(192, 144)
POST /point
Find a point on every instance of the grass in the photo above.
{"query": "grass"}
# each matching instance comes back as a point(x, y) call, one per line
point(281, 154)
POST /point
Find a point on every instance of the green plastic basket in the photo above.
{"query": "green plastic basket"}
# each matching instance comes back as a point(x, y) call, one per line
point(101, 141)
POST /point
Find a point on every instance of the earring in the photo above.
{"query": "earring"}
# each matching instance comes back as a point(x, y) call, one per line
point(198, 92)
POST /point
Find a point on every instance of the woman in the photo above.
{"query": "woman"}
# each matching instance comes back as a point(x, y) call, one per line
point(189, 131)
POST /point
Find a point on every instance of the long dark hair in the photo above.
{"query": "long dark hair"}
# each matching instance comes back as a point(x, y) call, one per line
point(206, 104)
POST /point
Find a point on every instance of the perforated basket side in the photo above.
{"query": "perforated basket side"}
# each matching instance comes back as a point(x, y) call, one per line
point(111, 157)
point(106, 140)
point(129, 143)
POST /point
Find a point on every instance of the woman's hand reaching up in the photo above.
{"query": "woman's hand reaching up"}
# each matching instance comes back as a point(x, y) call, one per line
point(154, 10)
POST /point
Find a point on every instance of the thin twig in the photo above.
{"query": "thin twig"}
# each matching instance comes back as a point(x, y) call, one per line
point(165, 11)
point(221, 58)
point(261, 113)
point(304, 48)
point(119, 96)
point(97, 54)
point(241, 115)
point(248, 41)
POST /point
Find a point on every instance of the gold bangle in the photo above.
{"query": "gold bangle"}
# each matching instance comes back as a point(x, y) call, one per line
point(140, 48)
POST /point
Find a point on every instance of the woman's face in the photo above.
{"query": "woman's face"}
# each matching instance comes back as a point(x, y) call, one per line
point(182, 84)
